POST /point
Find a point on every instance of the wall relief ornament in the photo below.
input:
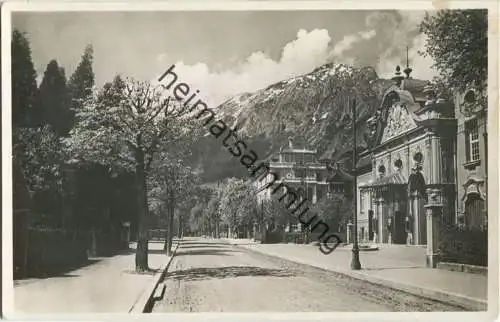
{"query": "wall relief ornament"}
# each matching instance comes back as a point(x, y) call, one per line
point(474, 185)
point(471, 103)
point(398, 122)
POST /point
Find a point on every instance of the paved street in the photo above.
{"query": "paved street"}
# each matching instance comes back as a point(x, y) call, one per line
point(212, 275)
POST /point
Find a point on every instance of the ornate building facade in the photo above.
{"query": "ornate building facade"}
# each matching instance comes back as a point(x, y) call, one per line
point(406, 177)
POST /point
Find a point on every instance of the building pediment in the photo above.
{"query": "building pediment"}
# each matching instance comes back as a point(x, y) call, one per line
point(395, 116)
point(398, 122)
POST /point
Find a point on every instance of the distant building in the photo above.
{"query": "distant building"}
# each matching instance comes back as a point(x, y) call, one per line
point(301, 171)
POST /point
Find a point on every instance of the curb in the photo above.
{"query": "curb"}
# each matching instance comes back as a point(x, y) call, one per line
point(433, 294)
point(144, 303)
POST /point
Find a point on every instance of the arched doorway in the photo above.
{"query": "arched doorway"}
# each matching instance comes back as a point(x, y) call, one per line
point(417, 218)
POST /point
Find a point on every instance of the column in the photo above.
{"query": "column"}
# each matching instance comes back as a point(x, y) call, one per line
point(349, 231)
point(437, 160)
point(415, 219)
point(434, 209)
point(376, 230)
point(314, 197)
point(381, 223)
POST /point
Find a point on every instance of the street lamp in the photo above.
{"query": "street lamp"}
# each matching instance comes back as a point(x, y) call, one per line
point(355, 263)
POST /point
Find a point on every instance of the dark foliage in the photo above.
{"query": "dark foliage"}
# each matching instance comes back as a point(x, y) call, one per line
point(464, 246)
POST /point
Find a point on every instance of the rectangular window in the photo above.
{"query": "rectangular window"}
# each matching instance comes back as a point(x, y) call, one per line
point(299, 158)
point(361, 201)
point(472, 140)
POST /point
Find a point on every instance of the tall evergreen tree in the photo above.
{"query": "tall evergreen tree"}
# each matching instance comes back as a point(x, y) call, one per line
point(81, 82)
point(24, 87)
point(53, 99)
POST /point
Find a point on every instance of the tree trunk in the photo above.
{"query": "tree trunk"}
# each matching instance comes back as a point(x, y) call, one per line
point(179, 230)
point(307, 236)
point(170, 229)
point(141, 254)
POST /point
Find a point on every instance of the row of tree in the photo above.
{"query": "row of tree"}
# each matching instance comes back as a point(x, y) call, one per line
point(41, 116)
point(87, 151)
point(231, 208)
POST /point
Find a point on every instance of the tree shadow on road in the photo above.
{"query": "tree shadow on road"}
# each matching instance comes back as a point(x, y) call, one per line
point(51, 271)
point(217, 252)
point(196, 244)
point(203, 273)
point(391, 267)
point(203, 246)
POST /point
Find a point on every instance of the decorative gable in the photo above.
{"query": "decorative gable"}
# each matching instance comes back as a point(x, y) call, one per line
point(399, 121)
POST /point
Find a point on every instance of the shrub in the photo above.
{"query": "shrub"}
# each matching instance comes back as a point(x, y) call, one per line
point(274, 237)
point(463, 246)
point(52, 250)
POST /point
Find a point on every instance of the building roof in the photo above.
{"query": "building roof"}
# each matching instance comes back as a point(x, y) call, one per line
point(339, 175)
point(415, 87)
point(364, 161)
point(396, 178)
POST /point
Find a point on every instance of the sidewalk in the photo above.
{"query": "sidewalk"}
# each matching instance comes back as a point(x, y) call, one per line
point(109, 285)
point(395, 266)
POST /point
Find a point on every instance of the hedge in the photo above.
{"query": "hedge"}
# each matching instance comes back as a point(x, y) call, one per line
point(273, 237)
point(48, 251)
point(463, 246)
point(53, 250)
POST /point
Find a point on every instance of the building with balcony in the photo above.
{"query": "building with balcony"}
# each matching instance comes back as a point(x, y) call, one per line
point(299, 169)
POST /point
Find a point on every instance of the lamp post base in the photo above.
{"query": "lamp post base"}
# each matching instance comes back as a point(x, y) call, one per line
point(355, 263)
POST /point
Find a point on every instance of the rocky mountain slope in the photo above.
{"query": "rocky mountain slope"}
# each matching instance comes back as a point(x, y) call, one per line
point(313, 109)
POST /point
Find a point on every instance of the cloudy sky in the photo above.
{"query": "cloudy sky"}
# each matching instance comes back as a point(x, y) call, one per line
point(224, 53)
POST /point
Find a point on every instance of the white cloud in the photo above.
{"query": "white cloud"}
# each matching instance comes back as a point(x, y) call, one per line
point(396, 28)
point(303, 54)
point(368, 34)
point(349, 41)
point(386, 36)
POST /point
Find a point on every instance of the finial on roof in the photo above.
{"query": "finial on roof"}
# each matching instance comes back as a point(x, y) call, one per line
point(407, 70)
point(397, 76)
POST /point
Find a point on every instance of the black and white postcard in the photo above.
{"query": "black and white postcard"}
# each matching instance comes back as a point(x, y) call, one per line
point(283, 159)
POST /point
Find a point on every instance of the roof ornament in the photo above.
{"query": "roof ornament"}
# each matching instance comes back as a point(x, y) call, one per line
point(398, 78)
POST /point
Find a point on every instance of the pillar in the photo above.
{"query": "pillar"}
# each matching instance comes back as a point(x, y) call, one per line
point(434, 210)
point(382, 222)
point(376, 230)
point(349, 233)
point(314, 197)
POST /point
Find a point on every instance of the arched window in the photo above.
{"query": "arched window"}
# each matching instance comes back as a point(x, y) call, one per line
point(474, 207)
